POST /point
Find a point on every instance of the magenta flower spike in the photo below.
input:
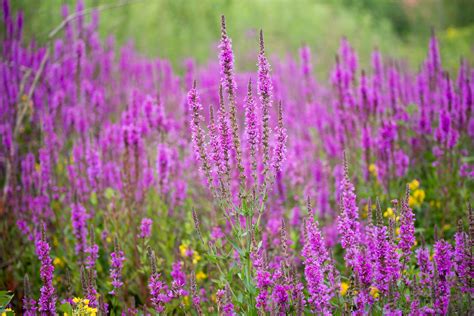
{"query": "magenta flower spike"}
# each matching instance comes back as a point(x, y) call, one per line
point(47, 300)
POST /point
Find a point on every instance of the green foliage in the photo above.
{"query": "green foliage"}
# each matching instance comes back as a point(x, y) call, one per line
point(178, 29)
point(5, 298)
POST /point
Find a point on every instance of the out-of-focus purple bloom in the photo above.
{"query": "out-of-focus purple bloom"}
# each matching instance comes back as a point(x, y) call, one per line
point(158, 289)
point(348, 221)
point(265, 92)
point(145, 228)
point(79, 226)
point(442, 286)
point(262, 278)
point(317, 265)
point(224, 302)
point(407, 228)
point(425, 266)
point(29, 303)
point(462, 261)
point(179, 280)
point(279, 153)
point(116, 265)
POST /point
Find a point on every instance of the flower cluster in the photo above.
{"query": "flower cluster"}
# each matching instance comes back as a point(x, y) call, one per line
point(207, 172)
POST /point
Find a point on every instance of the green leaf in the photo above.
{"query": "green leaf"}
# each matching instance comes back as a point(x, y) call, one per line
point(93, 199)
point(412, 108)
point(109, 193)
point(5, 298)
point(66, 308)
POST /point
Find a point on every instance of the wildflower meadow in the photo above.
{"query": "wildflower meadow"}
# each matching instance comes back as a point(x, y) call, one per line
point(129, 187)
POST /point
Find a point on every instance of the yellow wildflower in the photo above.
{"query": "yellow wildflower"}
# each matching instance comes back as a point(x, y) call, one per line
point(58, 262)
point(365, 211)
point(82, 307)
point(374, 292)
point(452, 33)
point(196, 257)
point(415, 184)
point(397, 231)
point(201, 276)
point(411, 201)
point(8, 310)
point(419, 195)
point(183, 249)
point(446, 227)
point(186, 300)
point(373, 169)
point(344, 288)
point(389, 213)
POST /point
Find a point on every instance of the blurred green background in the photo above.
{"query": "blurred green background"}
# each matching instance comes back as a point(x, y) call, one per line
point(176, 29)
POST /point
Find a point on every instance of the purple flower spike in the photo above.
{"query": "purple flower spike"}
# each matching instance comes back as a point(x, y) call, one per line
point(47, 301)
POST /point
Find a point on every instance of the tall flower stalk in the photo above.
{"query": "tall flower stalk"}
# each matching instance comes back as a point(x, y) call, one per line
point(47, 300)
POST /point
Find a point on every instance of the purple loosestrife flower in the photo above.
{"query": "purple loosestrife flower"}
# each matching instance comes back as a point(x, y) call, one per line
point(265, 92)
point(163, 162)
point(279, 152)
point(224, 302)
point(226, 60)
point(348, 221)
point(434, 57)
point(224, 140)
point(197, 132)
point(179, 280)
point(386, 260)
point(29, 303)
point(365, 97)
point(262, 278)
point(195, 295)
point(462, 260)
point(316, 262)
point(158, 289)
point(443, 259)
point(407, 228)
point(425, 266)
point(364, 272)
point(401, 163)
point(92, 252)
point(280, 291)
point(214, 139)
point(116, 265)
point(47, 301)
point(306, 69)
point(94, 168)
point(252, 131)
point(79, 227)
point(145, 228)
point(89, 286)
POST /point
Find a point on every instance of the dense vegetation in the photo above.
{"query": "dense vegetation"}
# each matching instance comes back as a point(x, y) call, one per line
point(130, 188)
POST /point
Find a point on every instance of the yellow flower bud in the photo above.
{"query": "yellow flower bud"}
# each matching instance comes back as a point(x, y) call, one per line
point(344, 288)
point(415, 184)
